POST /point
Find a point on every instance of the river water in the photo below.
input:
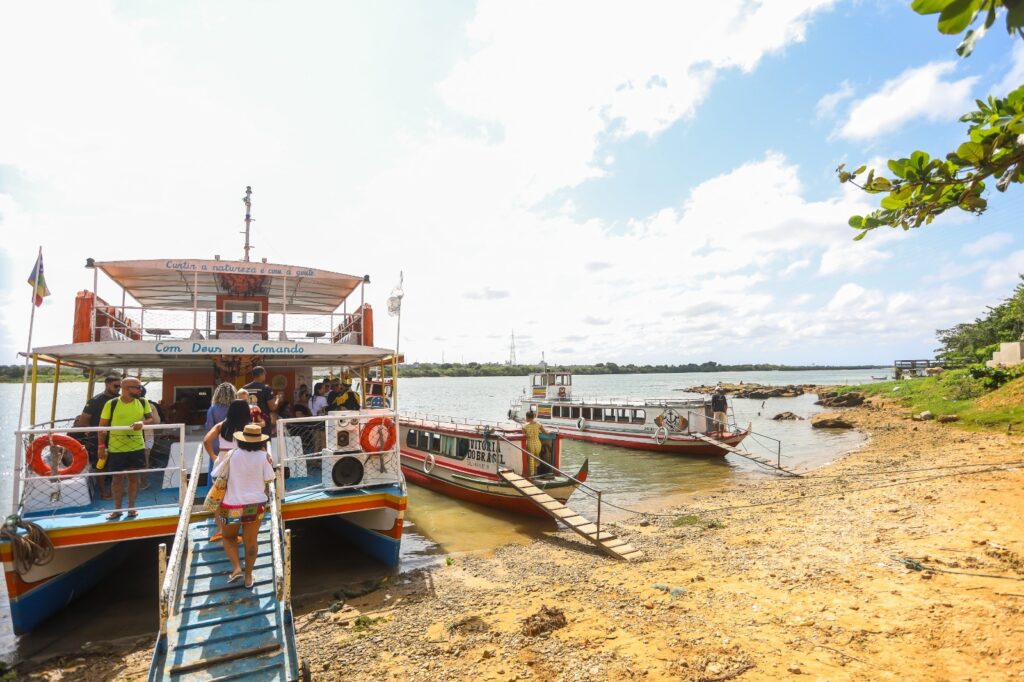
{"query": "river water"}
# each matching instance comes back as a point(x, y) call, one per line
point(125, 604)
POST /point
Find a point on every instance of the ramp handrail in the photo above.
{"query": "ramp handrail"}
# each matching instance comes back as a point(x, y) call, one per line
point(176, 562)
point(553, 468)
point(725, 426)
point(277, 539)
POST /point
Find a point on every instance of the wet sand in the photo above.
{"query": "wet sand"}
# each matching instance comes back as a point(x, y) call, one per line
point(763, 580)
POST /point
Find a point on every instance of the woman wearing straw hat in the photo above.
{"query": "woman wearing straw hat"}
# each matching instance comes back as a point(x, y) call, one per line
point(248, 471)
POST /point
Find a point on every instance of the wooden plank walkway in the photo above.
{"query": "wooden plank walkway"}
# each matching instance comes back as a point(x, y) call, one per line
point(747, 455)
point(222, 630)
point(607, 542)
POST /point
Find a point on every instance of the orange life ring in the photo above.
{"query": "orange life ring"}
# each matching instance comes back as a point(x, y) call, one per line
point(561, 391)
point(79, 457)
point(373, 427)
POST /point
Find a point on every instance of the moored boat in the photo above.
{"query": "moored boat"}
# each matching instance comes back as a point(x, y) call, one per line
point(671, 425)
point(461, 458)
point(195, 323)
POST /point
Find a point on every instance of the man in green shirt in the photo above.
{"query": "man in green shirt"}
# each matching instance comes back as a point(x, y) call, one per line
point(127, 449)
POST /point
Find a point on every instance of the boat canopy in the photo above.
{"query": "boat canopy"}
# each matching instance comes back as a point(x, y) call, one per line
point(189, 283)
point(188, 353)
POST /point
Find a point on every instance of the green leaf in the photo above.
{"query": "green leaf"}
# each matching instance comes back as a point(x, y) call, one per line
point(881, 185)
point(860, 170)
point(971, 151)
point(957, 16)
point(898, 168)
point(966, 47)
point(919, 159)
point(892, 203)
point(929, 6)
point(860, 236)
point(856, 222)
point(1014, 16)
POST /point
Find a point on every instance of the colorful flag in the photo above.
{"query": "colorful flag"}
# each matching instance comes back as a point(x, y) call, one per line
point(38, 281)
point(395, 300)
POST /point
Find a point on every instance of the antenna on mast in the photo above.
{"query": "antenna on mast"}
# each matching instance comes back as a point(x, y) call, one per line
point(247, 200)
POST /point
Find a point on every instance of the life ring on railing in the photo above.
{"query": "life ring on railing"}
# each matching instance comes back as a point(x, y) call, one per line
point(661, 435)
point(561, 391)
point(580, 423)
point(428, 463)
point(373, 428)
point(79, 456)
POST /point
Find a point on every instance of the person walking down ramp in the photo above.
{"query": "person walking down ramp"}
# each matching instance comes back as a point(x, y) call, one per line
point(248, 471)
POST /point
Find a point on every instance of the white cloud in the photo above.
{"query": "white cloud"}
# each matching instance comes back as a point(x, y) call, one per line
point(918, 93)
point(1005, 274)
point(990, 242)
point(1015, 77)
point(826, 106)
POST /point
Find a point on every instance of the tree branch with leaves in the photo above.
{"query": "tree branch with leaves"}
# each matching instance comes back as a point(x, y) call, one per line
point(923, 187)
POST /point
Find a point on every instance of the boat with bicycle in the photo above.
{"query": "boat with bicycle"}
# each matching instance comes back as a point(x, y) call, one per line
point(684, 426)
point(192, 324)
point(462, 458)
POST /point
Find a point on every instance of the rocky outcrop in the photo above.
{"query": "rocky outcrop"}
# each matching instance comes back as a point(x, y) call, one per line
point(925, 416)
point(787, 416)
point(947, 418)
point(753, 391)
point(830, 420)
point(836, 399)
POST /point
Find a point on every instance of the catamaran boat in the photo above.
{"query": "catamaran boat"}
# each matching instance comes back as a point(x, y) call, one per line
point(672, 425)
point(195, 323)
point(462, 458)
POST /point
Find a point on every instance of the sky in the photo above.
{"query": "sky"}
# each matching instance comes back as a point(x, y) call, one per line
point(613, 182)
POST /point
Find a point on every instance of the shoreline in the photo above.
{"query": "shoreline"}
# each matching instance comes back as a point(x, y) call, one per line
point(757, 580)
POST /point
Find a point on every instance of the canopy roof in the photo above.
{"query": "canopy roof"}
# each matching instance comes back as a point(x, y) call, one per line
point(187, 353)
point(173, 284)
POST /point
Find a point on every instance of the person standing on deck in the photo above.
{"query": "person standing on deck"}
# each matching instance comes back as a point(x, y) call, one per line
point(532, 430)
point(127, 450)
point(720, 406)
point(223, 396)
point(91, 417)
point(265, 398)
point(344, 398)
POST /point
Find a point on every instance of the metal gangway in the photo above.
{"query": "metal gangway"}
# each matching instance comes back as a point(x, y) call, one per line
point(723, 427)
point(211, 629)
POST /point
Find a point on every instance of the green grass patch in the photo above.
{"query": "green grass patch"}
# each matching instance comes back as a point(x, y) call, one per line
point(694, 520)
point(363, 623)
point(952, 392)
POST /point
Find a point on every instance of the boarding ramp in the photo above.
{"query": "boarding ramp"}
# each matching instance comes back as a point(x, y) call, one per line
point(761, 461)
point(211, 629)
point(608, 543)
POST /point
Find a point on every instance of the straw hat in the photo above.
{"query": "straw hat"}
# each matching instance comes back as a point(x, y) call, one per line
point(252, 433)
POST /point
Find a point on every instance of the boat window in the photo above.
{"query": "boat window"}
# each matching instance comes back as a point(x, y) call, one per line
point(639, 416)
point(463, 448)
point(622, 416)
point(435, 443)
point(410, 438)
point(574, 413)
point(609, 414)
point(551, 380)
point(422, 440)
point(538, 380)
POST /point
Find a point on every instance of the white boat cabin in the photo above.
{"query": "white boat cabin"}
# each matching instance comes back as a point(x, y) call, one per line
point(551, 385)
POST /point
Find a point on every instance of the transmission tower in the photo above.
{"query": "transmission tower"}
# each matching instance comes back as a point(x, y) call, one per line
point(512, 349)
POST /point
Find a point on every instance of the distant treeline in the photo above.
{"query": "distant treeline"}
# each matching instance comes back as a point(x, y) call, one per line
point(11, 374)
point(490, 369)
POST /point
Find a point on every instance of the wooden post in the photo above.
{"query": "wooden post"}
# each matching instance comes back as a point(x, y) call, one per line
point(35, 378)
point(56, 384)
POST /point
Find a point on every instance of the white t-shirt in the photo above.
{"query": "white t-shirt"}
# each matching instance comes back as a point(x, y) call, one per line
point(317, 403)
point(248, 474)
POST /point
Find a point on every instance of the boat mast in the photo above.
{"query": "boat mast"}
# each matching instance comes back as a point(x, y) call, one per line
point(247, 200)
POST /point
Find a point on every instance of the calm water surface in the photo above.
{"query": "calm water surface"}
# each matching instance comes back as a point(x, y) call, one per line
point(126, 605)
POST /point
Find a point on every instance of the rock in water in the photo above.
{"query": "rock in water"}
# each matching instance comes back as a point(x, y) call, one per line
point(830, 420)
point(787, 416)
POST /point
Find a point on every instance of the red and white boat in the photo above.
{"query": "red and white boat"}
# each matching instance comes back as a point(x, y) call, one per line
point(461, 459)
point(671, 425)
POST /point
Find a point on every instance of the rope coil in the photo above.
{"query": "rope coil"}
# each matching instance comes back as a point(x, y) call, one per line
point(33, 548)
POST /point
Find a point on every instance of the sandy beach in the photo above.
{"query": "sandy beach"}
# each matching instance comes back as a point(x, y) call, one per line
point(903, 560)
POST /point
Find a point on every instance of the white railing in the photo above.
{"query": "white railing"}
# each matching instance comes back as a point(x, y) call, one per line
point(281, 559)
point(176, 562)
point(303, 441)
point(133, 323)
point(598, 401)
point(439, 420)
point(23, 479)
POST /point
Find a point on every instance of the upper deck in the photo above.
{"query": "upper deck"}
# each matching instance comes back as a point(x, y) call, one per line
point(173, 309)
